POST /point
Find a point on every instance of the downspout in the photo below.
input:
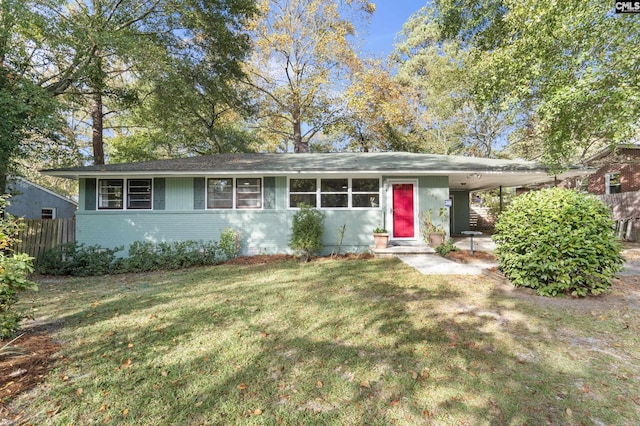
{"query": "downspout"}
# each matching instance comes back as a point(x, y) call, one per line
point(501, 201)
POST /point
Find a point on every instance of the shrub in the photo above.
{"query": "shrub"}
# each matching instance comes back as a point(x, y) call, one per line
point(79, 260)
point(558, 241)
point(230, 243)
point(446, 248)
point(76, 259)
point(14, 270)
point(308, 227)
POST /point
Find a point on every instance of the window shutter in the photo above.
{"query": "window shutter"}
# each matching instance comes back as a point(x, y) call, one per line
point(90, 194)
point(158, 193)
point(199, 193)
point(269, 184)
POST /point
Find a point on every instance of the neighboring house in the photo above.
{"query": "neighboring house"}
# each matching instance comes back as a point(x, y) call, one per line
point(32, 201)
point(618, 170)
point(196, 198)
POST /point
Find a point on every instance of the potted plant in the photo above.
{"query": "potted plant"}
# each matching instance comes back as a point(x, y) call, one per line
point(434, 233)
point(380, 238)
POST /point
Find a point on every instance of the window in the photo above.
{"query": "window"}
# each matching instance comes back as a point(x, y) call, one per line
point(110, 193)
point(139, 194)
point(248, 193)
point(303, 191)
point(612, 183)
point(220, 193)
point(366, 193)
point(335, 193)
point(48, 213)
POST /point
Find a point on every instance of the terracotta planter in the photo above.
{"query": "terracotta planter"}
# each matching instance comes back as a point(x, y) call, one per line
point(435, 240)
point(380, 240)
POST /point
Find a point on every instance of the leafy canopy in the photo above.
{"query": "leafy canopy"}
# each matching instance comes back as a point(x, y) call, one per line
point(569, 70)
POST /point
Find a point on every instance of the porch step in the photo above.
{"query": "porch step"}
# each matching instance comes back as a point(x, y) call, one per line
point(403, 250)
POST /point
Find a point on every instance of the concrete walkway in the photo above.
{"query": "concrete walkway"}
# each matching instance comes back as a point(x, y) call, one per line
point(433, 264)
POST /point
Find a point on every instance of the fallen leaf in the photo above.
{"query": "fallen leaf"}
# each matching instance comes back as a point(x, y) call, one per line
point(394, 402)
point(414, 375)
point(425, 373)
point(425, 413)
point(197, 404)
point(242, 386)
point(263, 334)
point(126, 364)
point(319, 384)
point(103, 407)
point(79, 391)
point(257, 412)
point(164, 373)
point(125, 412)
point(365, 384)
point(569, 412)
point(130, 345)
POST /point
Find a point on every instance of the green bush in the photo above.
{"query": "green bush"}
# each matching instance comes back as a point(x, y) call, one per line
point(230, 243)
point(306, 236)
point(446, 248)
point(14, 270)
point(558, 241)
point(79, 260)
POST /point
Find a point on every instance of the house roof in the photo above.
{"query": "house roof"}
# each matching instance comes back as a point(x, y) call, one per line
point(41, 188)
point(464, 172)
point(608, 150)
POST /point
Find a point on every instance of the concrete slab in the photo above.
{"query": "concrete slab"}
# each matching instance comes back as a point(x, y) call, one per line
point(437, 265)
point(631, 268)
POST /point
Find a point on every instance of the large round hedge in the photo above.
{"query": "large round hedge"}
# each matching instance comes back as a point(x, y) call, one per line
point(558, 241)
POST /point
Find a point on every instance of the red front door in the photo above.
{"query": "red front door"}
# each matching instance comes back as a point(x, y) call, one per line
point(403, 216)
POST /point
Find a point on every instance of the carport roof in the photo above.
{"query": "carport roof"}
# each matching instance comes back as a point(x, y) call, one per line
point(465, 173)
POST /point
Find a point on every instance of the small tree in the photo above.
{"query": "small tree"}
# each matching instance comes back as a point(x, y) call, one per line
point(14, 269)
point(558, 241)
point(308, 227)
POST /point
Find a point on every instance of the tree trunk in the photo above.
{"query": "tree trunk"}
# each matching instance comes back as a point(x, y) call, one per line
point(299, 146)
point(97, 137)
point(3, 182)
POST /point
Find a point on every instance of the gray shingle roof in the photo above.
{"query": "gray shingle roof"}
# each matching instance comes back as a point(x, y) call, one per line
point(465, 173)
point(310, 163)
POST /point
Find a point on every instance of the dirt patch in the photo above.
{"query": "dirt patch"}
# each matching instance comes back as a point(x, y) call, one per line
point(19, 373)
point(464, 256)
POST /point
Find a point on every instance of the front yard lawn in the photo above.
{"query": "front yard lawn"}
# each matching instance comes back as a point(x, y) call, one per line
point(343, 342)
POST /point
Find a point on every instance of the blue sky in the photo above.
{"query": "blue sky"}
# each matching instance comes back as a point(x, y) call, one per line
point(386, 22)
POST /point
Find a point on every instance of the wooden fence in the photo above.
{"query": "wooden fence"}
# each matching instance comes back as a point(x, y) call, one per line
point(40, 235)
point(625, 208)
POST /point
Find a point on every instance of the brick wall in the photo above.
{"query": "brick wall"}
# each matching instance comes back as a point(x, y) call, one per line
point(626, 162)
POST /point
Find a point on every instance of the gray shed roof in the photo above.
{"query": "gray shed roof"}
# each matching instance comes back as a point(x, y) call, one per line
point(388, 163)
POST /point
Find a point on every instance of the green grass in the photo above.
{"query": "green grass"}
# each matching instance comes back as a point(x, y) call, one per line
point(341, 342)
